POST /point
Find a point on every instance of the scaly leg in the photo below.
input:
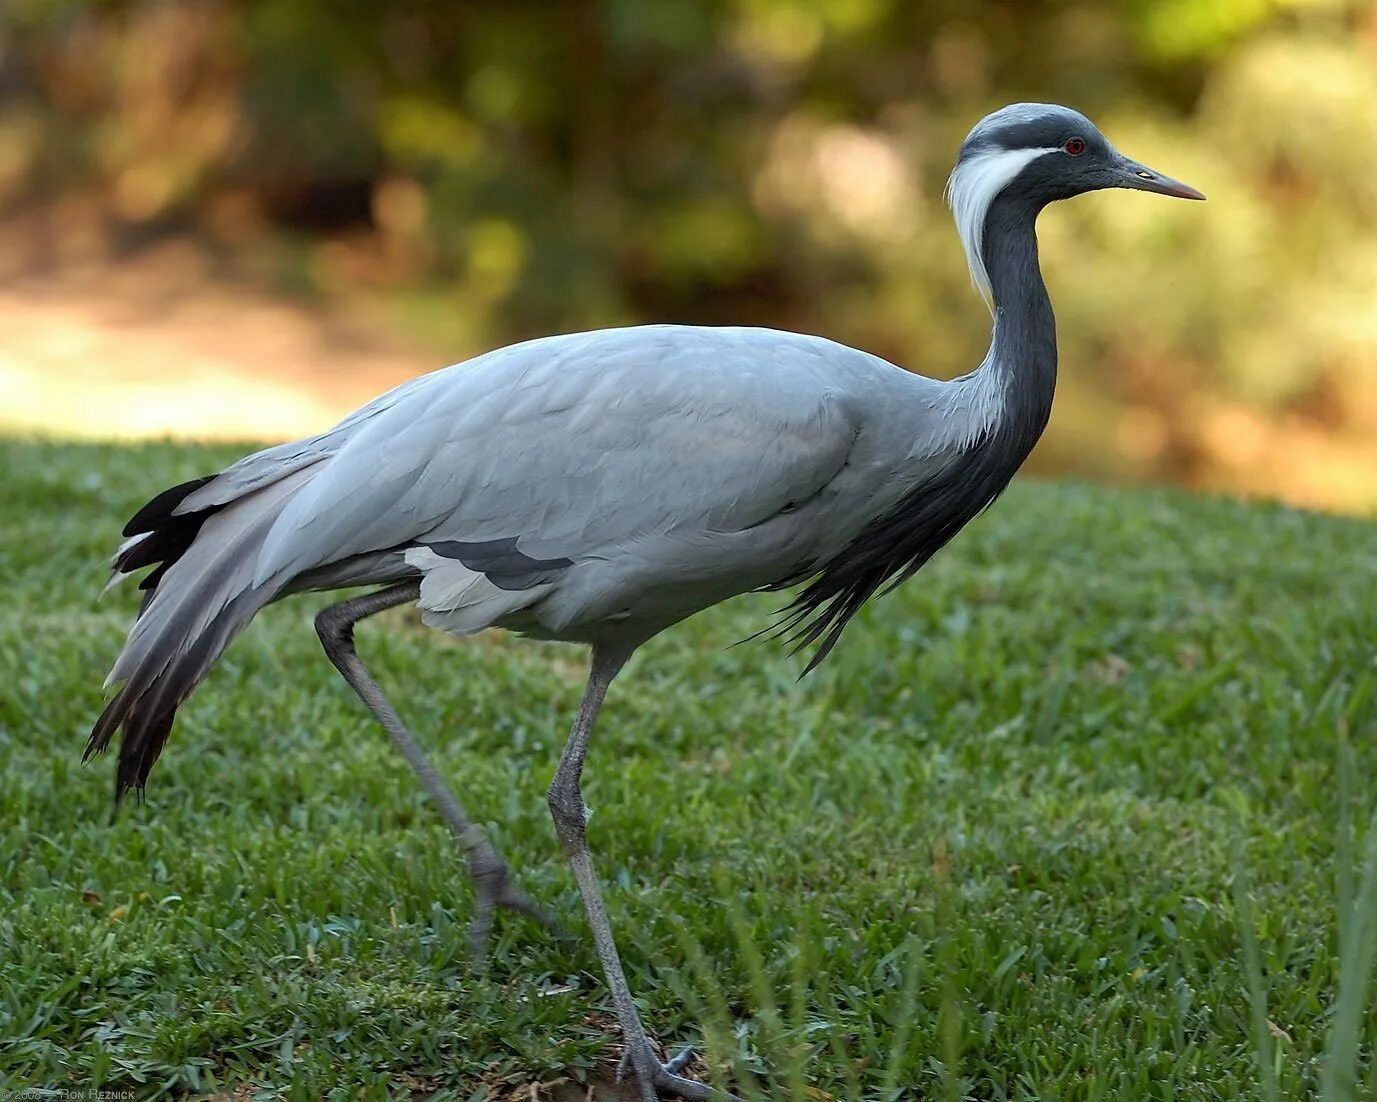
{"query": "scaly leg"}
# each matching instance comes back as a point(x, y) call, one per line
point(655, 1080)
point(491, 876)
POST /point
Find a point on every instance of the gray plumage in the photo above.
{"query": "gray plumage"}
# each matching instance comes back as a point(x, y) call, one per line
point(599, 487)
point(641, 474)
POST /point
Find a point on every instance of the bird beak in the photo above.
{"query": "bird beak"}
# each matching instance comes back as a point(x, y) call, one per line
point(1141, 178)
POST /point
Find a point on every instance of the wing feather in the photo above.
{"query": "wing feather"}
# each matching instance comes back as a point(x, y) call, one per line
point(574, 445)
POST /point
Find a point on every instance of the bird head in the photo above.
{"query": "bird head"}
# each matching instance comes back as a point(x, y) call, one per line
point(1037, 153)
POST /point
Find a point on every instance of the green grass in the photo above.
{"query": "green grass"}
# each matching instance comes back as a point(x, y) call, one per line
point(1068, 817)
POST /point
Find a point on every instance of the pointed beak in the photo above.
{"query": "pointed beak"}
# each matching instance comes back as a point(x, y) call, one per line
point(1141, 178)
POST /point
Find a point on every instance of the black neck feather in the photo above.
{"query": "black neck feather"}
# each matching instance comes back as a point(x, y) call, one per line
point(1023, 357)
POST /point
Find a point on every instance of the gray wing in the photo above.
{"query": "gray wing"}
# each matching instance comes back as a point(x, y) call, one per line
point(570, 448)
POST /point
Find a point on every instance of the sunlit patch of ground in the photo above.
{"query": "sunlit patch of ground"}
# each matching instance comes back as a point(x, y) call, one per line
point(157, 345)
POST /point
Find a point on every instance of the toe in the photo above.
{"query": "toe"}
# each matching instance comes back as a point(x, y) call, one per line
point(513, 898)
point(680, 1062)
point(495, 888)
point(670, 1085)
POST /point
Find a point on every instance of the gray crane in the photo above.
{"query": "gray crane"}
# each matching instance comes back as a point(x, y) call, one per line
point(599, 487)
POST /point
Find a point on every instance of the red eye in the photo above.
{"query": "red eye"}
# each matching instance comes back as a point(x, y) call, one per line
point(1075, 146)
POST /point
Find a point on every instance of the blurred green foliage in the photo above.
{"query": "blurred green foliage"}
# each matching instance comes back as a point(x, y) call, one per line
point(486, 172)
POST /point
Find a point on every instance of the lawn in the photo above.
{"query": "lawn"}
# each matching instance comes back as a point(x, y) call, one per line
point(1012, 841)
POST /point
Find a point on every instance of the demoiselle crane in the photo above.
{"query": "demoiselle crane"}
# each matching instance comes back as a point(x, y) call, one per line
point(599, 487)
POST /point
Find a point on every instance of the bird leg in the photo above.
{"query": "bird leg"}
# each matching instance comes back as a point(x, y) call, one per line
point(492, 878)
point(654, 1079)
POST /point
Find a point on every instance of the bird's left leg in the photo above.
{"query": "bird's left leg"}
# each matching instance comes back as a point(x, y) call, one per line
point(491, 876)
point(654, 1080)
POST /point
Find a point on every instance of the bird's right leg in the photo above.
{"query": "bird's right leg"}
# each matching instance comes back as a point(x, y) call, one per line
point(491, 876)
point(654, 1079)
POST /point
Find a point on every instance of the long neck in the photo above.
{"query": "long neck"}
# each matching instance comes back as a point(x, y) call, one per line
point(1020, 369)
point(1003, 408)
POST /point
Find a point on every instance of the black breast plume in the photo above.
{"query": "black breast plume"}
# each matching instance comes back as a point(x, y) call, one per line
point(896, 544)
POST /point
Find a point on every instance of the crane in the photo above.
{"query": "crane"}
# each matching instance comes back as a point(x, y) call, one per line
point(599, 487)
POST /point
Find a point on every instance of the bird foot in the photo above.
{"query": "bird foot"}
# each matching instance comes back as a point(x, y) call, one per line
point(658, 1080)
point(494, 889)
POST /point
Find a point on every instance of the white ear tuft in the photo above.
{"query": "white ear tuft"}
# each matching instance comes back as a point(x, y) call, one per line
point(973, 185)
